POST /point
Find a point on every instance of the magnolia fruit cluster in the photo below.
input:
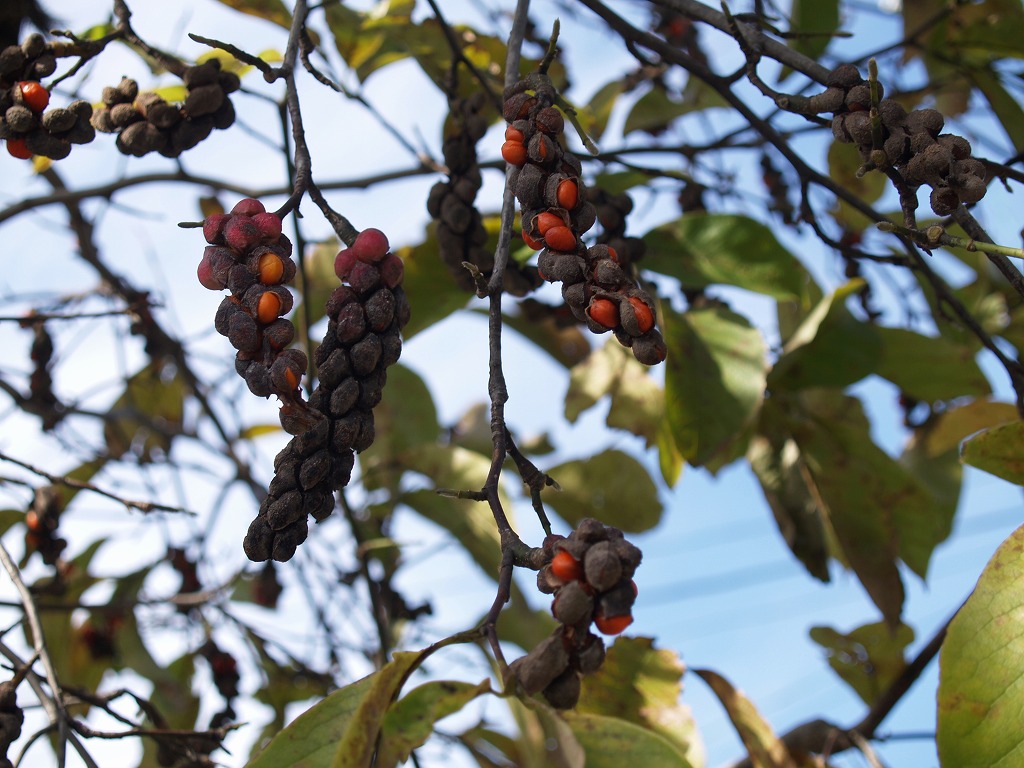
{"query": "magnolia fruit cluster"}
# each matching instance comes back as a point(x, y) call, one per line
point(912, 141)
point(365, 317)
point(556, 213)
point(145, 122)
point(249, 256)
point(28, 125)
point(11, 719)
point(42, 399)
point(461, 235)
point(612, 211)
point(41, 523)
point(591, 577)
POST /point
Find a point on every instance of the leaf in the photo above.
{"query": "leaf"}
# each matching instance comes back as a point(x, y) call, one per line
point(341, 730)
point(830, 348)
point(997, 450)
point(637, 402)
point(148, 414)
point(432, 292)
point(782, 473)
point(714, 380)
point(869, 658)
point(812, 24)
point(654, 112)
point(259, 430)
point(843, 163)
point(551, 329)
point(670, 460)
point(469, 522)
point(619, 182)
point(271, 10)
point(641, 685)
point(611, 486)
point(521, 624)
point(410, 721)
point(702, 249)
point(317, 282)
point(1004, 106)
point(929, 368)
point(594, 116)
point(612, 743)
point(763, 746)
point(981, 668)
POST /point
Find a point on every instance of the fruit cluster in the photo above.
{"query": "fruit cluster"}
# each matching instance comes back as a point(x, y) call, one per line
point(461, 235)
point(612, 211)
point(11, 719)
point(145, 122)
point(365, 318)
point(908, 141)
point(249, 256)
point(27, 126)
point(41, 398)
point(556, 212)
point(591, 576)
point(41, 522)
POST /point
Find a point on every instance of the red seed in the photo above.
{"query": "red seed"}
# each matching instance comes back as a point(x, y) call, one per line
point(371, 245)
point(248, 206)
point(568, 194)
point(534, 244)
point(542, 222)
point(18, 149)
point(612, 625)
point(604, 312)
point(514, 134)
point(514, 152)
point(34, 95)
point(644, 316)
point(268, 308)
point(566, 567)
point(560, 238)
point(271, 269)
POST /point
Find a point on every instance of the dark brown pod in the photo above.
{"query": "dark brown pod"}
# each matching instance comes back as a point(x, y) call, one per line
point(542, 665)
point(58, 120)
point(344, 397)
point(564, 691)
point(829, 100)
point(573, 605)
point(844, 76)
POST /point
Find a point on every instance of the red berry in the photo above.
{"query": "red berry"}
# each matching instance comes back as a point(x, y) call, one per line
point(542, 222)
point(371, 245)
point(613, 254)
point(248, 206)
point(568, 194)
point(268, 308)
point(534, 244)
point(560, 238)
point(34, 95)
point(18, 149)
point(644, 316)
point(213, 227)
point(392, 270)
point(514, 134)
point(343, 263)
point(269, 225)
point(32, 521)
point(271, 269)
point(566, 567)
point(604, 312)
point(241, 233)
point(206, 274)
point(612, 625)
point(514, 152)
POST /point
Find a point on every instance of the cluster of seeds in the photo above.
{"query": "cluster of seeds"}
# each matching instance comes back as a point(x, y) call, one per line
point(145, 122)
point(41, 522)
point(26, 125)
point(556, 212)
point(591, 576)
point(41, 398)
point(365, 318)
point(11, 719)
point(908, 141)
point(612, 211)
point(224, 670)
point(461, 235)
point(249, 256)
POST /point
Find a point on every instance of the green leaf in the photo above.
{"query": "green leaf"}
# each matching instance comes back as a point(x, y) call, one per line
point(432, 292)
point(812, 23)
point(998, 450)
point(521, 624)
point(929, 368)
point(611, 486)
point(869, 658)
point(619, 182)
point(637, 402)
point(271, 10)
point(981, 668)
point(410, 721)
point(763, 746)
point(259, 430)
point(670, 460)
point(830, 348)
point(844, 161)
point(654, 112)
point(594, 116)
point(781, 471)
point(1004, 106)
point(368, 41)
point(641, 685)
point(702, 249)
point(545, 326)
point(612, 743)
point(714, 380)
point(148, 414)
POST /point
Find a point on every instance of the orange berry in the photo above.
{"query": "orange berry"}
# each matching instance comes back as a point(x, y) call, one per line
point(644, 316)
point(271, 269)
point(514, 134)
point(568, 194)
point(613, 254)
point(32, 521)
point(514, 152)
point(18, 149)
point(268, 308)
point(293, 380)
point(612, 625)
point(560, 238)
point(542, 222)
point(535, 245)
point(35, 96)
point(604, 312)
point(566, 567)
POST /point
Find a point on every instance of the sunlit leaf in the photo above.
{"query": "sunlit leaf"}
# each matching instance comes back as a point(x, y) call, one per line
point(998, 450)
point(869, 658)
point(642, 685)
point(148, 414)
point(714, 380)
point(612, 743)
point(271, 10)
point(654, 112)
point(410, 721)
point(432, 292)
point(594, 116)
point(611, 486)
point(981, 668)
point(766, 750)
point(811, 25)
point(553, 329)
point(718, 248)
point(929, 368)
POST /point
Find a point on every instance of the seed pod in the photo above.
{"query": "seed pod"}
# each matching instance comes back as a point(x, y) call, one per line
point(243, 333)
point(123, 115)
point(944, 201)
point(58, 120)
point(542, 665)
point(202, 74)
point(858, 125)
point(344, 397)
point(925, 121)
point(602, 567)
point(839, 132)
point(140, 138)
point(20, 119)
point(550, 121)
point(971, 189)
point(650, 348)
point(564, 691)
point(572, 605)
point(829, 100)
point(844, 76)
point(590, 656)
